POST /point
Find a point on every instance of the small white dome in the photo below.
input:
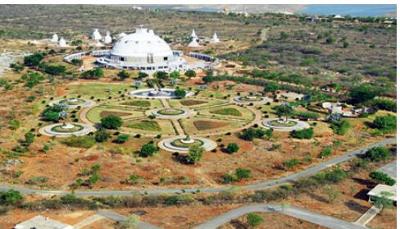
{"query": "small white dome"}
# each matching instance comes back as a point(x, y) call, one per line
point(140, 44)
point(54, 38)
point(62, 42)
point(215, 38)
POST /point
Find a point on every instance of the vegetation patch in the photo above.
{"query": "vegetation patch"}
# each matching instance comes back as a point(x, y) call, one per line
point(61, 129)
point(206, 125)
point(227, 111)
point(170, 111)
point(278, 123)
point(137, 103)
point(145, 125)
point(191, 102)
point(179, 143)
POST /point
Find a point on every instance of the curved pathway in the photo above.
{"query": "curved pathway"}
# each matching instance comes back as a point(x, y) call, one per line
point(267, 184)
point(299, 213)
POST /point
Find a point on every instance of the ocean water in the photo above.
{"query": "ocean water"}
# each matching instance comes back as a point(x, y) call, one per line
point(351, 9)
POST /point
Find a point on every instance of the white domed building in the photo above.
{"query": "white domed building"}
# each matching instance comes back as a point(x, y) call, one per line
point(145, 51)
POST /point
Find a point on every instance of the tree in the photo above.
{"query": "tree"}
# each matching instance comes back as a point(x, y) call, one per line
point(10, 197)
point(271, 87)
point(377, 154)
point(29, 138)
point(362, 93)
point(180, 93)
point(385, 123)
point(251, 133)
point(190, 73)
point(95, 73)
point(77, 62)
point(34, 59)
point(160, 75)
point(122, 138)
point(340, 127)
point(101, 135)
point(195, 154)
point(242, 173)
point(123, 75)
point(345, 44)
point(142, 75)
point(302, 134)
point(232, 148)
point(53, 113)
point(284, 110)
point(148, 149)
point(53, 69)
point(174, 75)
point(32, 79)
point(254, 220)
point(382, 178)
point(111, 122)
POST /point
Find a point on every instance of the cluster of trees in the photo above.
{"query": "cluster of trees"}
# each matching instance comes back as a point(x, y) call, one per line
point(377, 154)
point(10, 197)
point(195, 154)
point(32, 79)
point(306, 115)
point(232, 148)
point(340, 127)
point(34, 59)
point(238, 175)
point(52, 69)
point(95, 73)
point(251, 133)
point(190, 73)
point(363, 93)
point(384, 104)
point(123, 75)
point(53, 113)
point(284, 110)
point(180, 93)
point(302, 134)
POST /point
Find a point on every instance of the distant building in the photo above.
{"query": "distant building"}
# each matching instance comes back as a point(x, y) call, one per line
point(54, 38)
point(215, 38)
point(107, 38)
point(62, 42)
point(96, 35)
point(42, 222)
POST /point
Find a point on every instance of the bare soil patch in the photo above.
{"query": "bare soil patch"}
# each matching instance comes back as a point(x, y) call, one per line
point(206, 125)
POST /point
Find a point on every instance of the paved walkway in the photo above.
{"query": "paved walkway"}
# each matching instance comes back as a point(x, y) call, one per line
point(368, 216)
point(267, 184)
point(299, 213)
point(390, 169)
point(177, 125)
point(87, 221)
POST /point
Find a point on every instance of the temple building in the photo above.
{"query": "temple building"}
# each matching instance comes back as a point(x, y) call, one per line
point(54, 38)
point(193, 43)
point(62, 42)
point(96, 35)
point(107, 38)
point(193, 35)
point(215, 38)
point(145, 51)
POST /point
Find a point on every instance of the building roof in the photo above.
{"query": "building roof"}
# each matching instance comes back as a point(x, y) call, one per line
point(42, 222)
point(382, 188)
point(140, 44)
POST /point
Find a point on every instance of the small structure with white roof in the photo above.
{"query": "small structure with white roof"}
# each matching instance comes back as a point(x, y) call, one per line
point(215, 38)
point(42, 222)
point(54, 38)
point(62, 42)
point(96, 35)
point(383, 190)
point(107, 38)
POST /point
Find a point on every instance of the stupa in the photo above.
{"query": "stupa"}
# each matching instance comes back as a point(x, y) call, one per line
point(54, 38)
point(215, 38)
point(62, 42)
point(96, 35)
point(107, 38)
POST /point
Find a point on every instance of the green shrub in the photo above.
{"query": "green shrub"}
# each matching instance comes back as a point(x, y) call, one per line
point(53, 113)
point(123, 75)
point(232, 148)
point(10, 197)
point(385, 123)
point(34, 59)
point(190, 73)
point(242, 173)
point(289, 164)
point(377, 154)
point(122, 138)
point(251, 133)
point(302, 134)
point(195, 154)
point(363, 93)
point(254, 220)
point(148, 150)
point(111, 122)
point(180, 93)
point(14, 124)
point(340, 127)
point(384, 104)
point(326, 152)
point(32, 79)
point(95, 73)
point(382, 178)
point(101, 135)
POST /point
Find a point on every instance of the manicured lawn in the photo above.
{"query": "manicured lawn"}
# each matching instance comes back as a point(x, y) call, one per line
point(98, 90)
point(170, 111)
point(191, 102)
point(179, 143)
point(282, 124)
point(227, 111)
point(144, 125)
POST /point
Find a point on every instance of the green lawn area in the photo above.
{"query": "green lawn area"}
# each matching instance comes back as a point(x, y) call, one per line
point(144, 125)
point(98, 90)
point(227, 111)
point(96, 113)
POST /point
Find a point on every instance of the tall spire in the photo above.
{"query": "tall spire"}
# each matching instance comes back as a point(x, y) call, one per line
point(193, 35)
point(215, 38)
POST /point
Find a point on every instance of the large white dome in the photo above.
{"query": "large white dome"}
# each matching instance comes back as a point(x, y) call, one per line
point(142, 43)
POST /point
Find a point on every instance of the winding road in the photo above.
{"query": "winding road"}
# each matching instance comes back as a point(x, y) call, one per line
point(267, 184)
point(299, 213)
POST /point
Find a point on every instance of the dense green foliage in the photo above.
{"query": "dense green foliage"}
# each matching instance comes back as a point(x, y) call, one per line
point(80, 141)
point(123, 75)
point(180, 93)
point(34, 59)
point(306, 115)
point(53, 113)
point(284, 110)
point(254, 220)
point(122, 138)
point(148, 150)
point(95, 73)
point(53, 69)
point(302, 134)
point(190, 73)
point(10, 197)
point(382, 178)
point(232, 148)
point(251, 133)
point(101, 135)
point(377, 154)
point(111, 122)
point(385, 123)
point(362, 93)
point(384, 104)
point(195, 154)
point(326, 152)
